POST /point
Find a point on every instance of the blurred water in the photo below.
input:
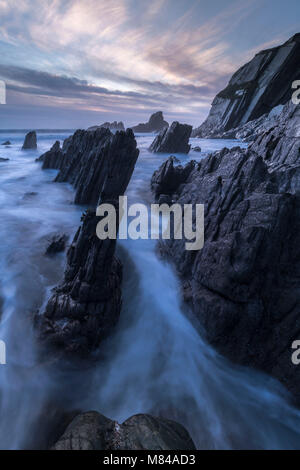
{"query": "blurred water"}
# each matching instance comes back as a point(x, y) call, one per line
point(155, 361)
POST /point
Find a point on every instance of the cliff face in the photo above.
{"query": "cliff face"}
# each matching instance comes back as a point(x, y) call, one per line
point(243, 286)
point(255, 89)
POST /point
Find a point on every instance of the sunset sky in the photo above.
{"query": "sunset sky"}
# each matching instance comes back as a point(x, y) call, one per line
point(75, 63)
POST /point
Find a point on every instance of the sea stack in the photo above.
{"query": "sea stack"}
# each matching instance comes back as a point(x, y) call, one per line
point(174, 139)
point(156, 123)
point(30, 142)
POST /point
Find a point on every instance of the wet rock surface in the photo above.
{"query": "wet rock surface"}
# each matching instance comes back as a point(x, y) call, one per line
point(30, 141)
point(56, 245)
point(174, 139)
point(93, 431)
point(156, 123)
point(254, 90)
point(243, 286)
point(86, 306)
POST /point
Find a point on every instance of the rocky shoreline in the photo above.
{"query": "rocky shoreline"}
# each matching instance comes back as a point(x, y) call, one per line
point(243, 285)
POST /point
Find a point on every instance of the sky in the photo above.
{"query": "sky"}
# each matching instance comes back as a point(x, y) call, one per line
point(77, 63)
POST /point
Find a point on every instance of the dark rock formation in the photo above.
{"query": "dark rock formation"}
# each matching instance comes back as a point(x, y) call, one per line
point(56, 245)
point(174, 139)
point(30, 142)
point(243, 286)
point(85, 159)
point(112, 126)
point(93, 431)
point(156, 123)
point(52, 158)
point(255, 89)
point(197, 149)
point(169, 177)
point(86, 306)
point(6, 143)
point(251, 130)
point(4, 159)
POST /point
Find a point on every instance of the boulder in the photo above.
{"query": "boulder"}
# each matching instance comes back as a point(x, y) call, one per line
point(7, 143)
point(30, 141)
point(174, 139)
point(56, 245)
point(243, 285)
point(255, 89)
point(4, 159)
point(85, 307)
point(156, 123)
point(93, 431)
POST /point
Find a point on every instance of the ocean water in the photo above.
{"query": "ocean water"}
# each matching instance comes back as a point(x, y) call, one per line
point(155, 362)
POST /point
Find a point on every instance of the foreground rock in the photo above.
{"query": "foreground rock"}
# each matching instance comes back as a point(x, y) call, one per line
point(156, 123)
point(255, 89)
point(174, 139)
point(112, 126)
point(84, 309)
point(30, 142)
point(4, 159)
point(93, 431)
point(7, 143)
point(243, 286)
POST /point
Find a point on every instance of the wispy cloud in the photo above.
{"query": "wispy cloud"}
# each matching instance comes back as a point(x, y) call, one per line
point(122, 54)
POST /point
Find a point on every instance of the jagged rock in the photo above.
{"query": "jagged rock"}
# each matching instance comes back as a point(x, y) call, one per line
point(174, 139)
point(4, 159)
point(156, 123)
point(6, 143)
point(280, 144)
point(84, 309)
point(112, 126)
point(255, 89)
point(53, 158)
point(93, 431)
point(243, 286)
point(83, 160)
point(57, 244)
point(251, 130)
point(197, 149)
point(30, 142)
point(169, 177)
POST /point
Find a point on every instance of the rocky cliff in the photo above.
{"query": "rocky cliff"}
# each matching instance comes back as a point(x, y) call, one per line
point(156, 123)
point(255, 89)
point(86, 306)
point(243, 286)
